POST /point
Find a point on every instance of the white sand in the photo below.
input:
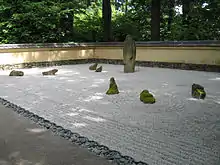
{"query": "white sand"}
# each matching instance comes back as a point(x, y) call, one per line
point(176, 130)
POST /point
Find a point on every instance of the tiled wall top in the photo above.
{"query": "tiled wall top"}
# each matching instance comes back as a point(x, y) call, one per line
point(114, 44)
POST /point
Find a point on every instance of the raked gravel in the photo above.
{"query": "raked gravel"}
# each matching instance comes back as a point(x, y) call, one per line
point(176, 130)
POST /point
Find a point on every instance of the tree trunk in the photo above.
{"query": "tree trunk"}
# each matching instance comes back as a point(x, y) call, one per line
point(66, 25)
point(116, 5)
point(171, 5)
point(186, 19)
point(155, 20)
point(88, 3)
point(185, 8)
point(126, 6)
point(106, 16)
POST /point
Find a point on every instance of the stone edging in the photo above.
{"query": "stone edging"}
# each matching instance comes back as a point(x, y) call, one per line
point(183, 66)
point(100, 150)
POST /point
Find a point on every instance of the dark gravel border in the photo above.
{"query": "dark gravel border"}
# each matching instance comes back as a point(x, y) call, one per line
point(100, 150)
point(170, 65)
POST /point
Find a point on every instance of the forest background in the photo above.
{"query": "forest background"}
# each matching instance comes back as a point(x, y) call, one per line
point(49, 21)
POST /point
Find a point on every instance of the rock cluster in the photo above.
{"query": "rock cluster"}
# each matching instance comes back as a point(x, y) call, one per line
point(20, 73)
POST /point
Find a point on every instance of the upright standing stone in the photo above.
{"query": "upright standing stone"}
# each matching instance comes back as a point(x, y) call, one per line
point(129, 54)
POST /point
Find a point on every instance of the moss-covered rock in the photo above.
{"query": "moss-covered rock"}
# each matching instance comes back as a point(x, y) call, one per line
point(93, 67)
point(146, 97)
point(113, 88)
point(99, 69)
point(198, 91)
point(50, 72)
point(16, 73)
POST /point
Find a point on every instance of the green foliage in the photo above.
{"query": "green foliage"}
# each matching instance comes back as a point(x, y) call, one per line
point(34, 22)
point(46, 21)
point(88, 24)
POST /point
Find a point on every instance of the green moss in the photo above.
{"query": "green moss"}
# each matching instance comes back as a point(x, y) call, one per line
point(199, 94)
point(93, 67)
point(200, 91)
point(146, 93)
point(147, 97)
point(113, 88)
point(112, 91)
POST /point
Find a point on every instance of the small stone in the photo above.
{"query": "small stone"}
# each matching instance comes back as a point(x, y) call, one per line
point(86, 145)
point(35, 119)
point(82, 140)
point(30, 115)
point(61, 133)
point(128, 160)
point(111, 155)
point(113, 88)
point(47, 124)
point(147, 97)
point(50, 72)
point(16, 73)
point(93, 144)
point(97, 151)
point(60, 129)
point(198, 91)
point(141, 163)
point(68, 134)
point(53, 126)
point(93, 67)
point(40, 119)
point(75, 137)
point(99, 69)
point(25, 114)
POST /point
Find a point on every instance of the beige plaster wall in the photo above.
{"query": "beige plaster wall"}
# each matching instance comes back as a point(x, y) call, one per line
point(13, 56)
point(196, 55)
